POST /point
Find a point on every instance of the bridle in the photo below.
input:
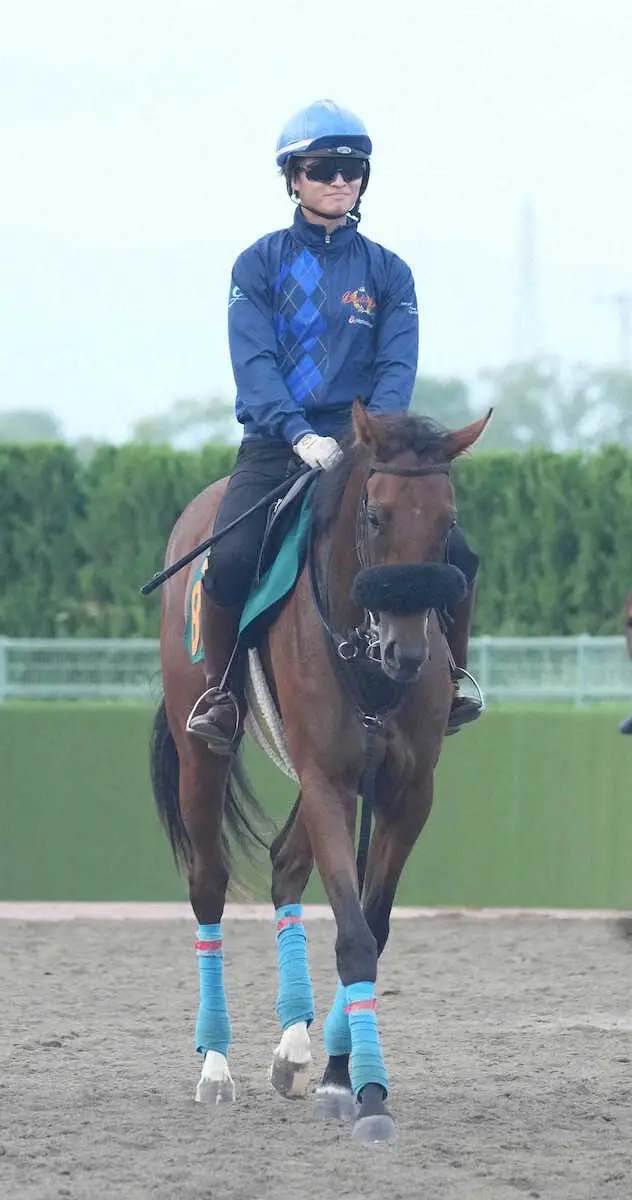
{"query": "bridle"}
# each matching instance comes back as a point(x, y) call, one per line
point(379, 468)
point(364, 640)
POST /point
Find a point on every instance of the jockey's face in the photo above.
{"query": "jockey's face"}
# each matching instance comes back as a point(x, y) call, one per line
point(334, 199)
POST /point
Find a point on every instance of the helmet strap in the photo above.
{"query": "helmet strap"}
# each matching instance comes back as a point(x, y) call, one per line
point(353, 214)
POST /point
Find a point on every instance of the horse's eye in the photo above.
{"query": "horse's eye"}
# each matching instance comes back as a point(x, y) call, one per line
point(373, 519)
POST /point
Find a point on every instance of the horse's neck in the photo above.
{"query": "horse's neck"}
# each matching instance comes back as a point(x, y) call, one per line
point(339, 559)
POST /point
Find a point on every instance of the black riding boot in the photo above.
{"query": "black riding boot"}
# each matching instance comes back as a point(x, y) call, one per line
point(220, 725)
point(464, 708)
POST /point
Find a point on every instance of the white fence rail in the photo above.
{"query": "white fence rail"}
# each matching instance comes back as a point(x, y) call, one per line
point(579, 670)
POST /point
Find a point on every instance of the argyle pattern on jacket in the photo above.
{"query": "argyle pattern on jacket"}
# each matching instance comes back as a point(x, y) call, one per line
point(300, 325)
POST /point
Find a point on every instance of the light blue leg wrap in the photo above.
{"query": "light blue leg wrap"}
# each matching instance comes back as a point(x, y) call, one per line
point(295, 1001)
point(367, 1064)
point(212, 1031)
point(337, 1031)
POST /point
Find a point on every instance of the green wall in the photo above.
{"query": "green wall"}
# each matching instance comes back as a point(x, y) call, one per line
point(533, 808)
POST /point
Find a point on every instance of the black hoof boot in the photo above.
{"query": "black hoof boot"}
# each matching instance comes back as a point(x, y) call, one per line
point(374, 1122)
point(334, 1098)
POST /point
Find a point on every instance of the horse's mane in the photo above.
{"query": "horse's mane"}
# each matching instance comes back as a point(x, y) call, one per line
point(400, 431)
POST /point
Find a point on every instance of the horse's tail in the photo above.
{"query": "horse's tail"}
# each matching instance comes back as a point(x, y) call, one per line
point(243, 815)
point(165, 780)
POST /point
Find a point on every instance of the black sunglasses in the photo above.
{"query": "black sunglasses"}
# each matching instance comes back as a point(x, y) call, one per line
point(324, 170)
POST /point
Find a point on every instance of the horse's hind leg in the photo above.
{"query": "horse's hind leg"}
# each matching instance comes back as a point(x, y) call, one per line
point(202, 787)
point(292, 862)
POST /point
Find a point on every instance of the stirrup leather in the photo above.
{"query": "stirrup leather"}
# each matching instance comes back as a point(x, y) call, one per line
point(215, 693)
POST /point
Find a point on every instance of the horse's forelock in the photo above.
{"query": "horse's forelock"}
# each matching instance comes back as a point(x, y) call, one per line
point(398, 432)
point(427, 439)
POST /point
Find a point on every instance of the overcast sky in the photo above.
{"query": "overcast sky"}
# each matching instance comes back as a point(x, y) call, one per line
point(137, 146)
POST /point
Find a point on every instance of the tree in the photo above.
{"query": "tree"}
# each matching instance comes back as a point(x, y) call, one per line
point(540, 403)
point(445, 400)
point(599, 410)
point(527, 401)
point(29, 425)
point(189, 424)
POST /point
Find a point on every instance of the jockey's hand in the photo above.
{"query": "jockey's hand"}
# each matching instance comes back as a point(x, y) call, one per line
point(318, 451)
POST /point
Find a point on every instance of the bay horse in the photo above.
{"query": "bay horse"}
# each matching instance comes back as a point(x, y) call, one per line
point(362, 624)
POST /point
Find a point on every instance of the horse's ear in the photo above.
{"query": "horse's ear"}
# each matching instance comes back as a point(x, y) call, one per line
point(461, 440)
point(367, 431)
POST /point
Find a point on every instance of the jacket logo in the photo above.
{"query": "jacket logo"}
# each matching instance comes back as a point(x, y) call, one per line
point(363, 304)
point(235, 295)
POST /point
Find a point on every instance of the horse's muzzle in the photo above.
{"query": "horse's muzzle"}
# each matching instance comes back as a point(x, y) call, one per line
point(405, 664)
point(408, 588)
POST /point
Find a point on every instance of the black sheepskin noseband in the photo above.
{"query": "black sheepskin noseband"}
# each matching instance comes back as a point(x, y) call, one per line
point(408, 588)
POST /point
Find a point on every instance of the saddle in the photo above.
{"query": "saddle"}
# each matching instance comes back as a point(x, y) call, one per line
point(282, 516)
point(281, 560)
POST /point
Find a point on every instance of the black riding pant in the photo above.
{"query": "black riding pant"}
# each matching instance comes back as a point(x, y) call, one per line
point(460, 555)
point(261, 466)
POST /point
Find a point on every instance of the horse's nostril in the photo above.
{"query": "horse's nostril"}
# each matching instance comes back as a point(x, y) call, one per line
point(405, 663)
point(389, 654)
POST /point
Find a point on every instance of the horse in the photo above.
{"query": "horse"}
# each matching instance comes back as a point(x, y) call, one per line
point(359, 668)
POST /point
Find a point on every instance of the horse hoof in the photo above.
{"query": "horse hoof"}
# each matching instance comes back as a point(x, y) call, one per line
point(379, 1128)
point(215, 1091)
point(290, 1079)
point(335, 1103)
point(216, 1085)
point(292, 1062)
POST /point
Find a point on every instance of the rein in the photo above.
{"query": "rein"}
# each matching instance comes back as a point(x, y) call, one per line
point(356, 660)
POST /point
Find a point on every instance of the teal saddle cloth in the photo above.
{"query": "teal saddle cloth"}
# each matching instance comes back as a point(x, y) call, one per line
point(268, 592)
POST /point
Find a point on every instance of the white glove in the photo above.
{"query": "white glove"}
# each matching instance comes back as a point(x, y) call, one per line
point(318, 451)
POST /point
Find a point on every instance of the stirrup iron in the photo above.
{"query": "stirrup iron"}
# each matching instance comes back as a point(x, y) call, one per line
point(210, 694)
point(458, 673)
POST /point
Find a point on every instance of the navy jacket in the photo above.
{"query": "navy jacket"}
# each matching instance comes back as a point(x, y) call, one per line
point(315, 320)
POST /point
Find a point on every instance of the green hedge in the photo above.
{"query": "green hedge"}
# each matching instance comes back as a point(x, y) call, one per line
point(77, 542)
point(553, 533)
point(42, 516)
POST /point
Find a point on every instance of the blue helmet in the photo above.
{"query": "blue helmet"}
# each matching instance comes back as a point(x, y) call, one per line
point(323, 129)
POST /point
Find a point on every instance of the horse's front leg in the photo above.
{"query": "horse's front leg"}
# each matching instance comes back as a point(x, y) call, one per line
point(397, 828)
point(329, 815)
point(401, 816)
point(292, 862)
point(202, 786)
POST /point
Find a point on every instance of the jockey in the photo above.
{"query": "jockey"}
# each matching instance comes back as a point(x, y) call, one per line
point(317, 315)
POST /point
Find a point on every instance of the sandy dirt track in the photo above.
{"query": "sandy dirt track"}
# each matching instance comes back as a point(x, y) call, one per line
point(508, 1044)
